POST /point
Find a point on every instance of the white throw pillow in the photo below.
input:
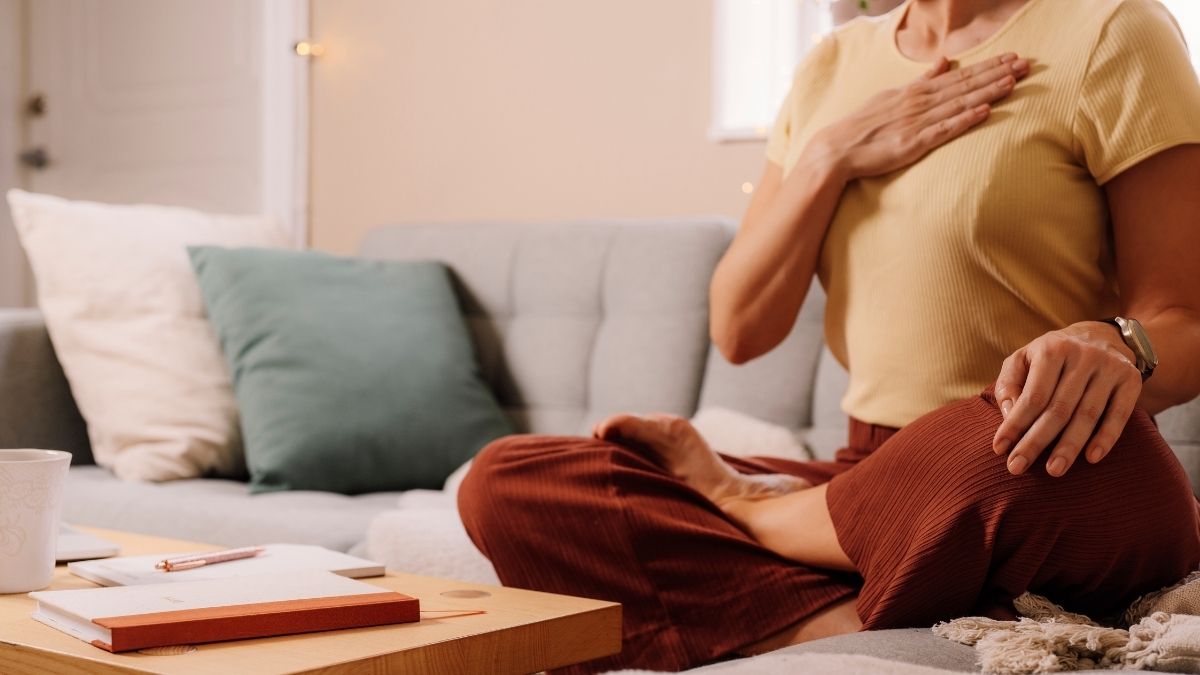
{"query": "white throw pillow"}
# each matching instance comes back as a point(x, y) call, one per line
point(127, 321)
point(741, 435)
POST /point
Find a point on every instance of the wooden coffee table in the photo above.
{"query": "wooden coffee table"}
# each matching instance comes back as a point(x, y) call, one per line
point(521, 632)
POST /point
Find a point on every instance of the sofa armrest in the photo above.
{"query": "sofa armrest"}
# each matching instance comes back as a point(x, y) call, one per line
point(36, 406)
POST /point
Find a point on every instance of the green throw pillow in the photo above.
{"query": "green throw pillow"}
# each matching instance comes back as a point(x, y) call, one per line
point(351, 375)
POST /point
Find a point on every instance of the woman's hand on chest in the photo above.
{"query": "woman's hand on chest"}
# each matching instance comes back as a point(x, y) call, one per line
point(897, 127)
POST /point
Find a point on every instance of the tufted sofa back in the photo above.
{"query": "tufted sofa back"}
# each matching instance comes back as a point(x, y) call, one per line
point(573, 322)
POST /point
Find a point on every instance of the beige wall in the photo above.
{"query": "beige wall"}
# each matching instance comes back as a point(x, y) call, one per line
point(427, 110)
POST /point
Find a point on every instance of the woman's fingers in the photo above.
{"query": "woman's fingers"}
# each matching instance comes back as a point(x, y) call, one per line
point(1035, 397)
point(1082, 425)
point(941, 132)
point(1120, 407)
point(1013, 373)
point(983, 80)
point(940, 66)
point(966, 74)
point(992, 92)
point(1054, 418)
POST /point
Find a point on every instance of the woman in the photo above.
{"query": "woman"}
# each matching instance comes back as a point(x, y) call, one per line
point(973, 224)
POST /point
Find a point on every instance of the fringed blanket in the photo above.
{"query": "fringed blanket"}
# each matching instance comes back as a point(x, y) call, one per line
point(1163, 634)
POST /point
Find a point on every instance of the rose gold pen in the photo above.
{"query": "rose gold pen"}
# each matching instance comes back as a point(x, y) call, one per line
point(200, 560)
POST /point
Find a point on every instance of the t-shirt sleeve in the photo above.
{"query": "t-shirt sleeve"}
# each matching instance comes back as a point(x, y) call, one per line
point(811, 76)
point(1140, 93)
point(781, 133)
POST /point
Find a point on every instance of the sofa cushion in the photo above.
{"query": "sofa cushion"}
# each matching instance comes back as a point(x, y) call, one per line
point(908, 645)
point(573, 322)
point(776, 387)
point(219, 511)
point(351, 375)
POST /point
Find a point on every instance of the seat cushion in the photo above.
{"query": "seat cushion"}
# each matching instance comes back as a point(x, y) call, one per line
point(220, 512)
point(909, 645)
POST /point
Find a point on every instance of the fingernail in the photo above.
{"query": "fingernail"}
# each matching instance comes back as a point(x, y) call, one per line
point(1020, 65)
point(1005, 408)
point(1002, 445)
point(1017, 464)
point(1095, 454)
point(1008, 57)
point(1057, 466)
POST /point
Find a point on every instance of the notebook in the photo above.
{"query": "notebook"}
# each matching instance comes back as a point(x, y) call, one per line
point(76, 545)
point(158, 615)
point(276, 559)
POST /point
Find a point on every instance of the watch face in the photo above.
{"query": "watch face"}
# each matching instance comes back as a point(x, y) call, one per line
point(1145, 349)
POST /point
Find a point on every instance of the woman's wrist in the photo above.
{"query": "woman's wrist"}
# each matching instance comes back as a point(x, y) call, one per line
point(828, 157)
point(1099, 331)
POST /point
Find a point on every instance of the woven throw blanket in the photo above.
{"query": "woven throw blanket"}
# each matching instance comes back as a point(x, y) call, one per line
point(809, 664)
point(1163, 634)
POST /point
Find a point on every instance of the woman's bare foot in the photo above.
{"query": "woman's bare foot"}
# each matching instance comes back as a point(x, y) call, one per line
point(684, 452)
point(771, 508)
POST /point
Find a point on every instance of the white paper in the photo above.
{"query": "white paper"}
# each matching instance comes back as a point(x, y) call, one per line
point(276, 559)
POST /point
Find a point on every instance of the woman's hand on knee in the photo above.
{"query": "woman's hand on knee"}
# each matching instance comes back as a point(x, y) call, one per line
point(1078, 384)
point(897, 127)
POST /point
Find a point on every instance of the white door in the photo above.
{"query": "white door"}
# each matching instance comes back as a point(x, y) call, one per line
point(194, 103)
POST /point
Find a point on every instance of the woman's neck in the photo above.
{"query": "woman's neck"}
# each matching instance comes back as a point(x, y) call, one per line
point(933, 28)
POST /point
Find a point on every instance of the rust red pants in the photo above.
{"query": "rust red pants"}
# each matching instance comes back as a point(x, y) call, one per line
point(934, 523)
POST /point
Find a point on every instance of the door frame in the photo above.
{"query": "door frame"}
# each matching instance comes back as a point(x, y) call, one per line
point(14, 279)
point(285, 113)
point(284, 118)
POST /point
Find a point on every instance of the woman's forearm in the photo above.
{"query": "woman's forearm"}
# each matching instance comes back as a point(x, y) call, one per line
point(760, 283)
point(1175, 334)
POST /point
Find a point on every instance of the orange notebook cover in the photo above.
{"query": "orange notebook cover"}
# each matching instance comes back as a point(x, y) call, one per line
point(157, 615)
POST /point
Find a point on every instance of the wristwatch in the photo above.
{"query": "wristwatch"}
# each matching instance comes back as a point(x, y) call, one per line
point(1135, 337)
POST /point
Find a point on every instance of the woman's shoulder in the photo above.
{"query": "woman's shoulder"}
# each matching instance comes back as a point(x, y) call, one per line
point(864, 32)
point(850, 41)
point(1112, 20)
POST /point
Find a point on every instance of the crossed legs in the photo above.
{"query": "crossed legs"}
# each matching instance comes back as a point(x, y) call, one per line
point(713, 556)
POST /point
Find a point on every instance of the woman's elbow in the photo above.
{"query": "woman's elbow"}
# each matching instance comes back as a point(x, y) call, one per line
point(735, 342)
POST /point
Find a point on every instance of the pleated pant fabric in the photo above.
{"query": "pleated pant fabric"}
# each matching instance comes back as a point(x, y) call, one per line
point(931, 518)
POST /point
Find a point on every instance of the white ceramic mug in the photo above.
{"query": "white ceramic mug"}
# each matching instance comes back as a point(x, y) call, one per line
point(31, 485)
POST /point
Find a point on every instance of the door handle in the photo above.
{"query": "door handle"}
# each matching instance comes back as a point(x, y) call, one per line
point(34, 158)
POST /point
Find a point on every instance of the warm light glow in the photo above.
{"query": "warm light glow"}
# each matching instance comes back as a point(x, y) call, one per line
point(747, 187)
point(309, 49)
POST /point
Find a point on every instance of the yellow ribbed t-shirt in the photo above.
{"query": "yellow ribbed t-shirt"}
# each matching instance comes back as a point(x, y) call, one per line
point(937, 272)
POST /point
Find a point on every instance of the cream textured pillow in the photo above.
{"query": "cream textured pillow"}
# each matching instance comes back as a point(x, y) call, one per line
point(127, 321)
point(738, 434)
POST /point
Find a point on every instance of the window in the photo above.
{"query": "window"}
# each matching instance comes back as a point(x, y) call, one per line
point(1187, 13)
point(757, 44)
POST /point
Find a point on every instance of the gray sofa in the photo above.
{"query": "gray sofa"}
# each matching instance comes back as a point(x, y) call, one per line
point(571, 322)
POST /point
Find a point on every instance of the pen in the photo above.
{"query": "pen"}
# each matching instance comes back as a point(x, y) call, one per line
point(200, 560)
